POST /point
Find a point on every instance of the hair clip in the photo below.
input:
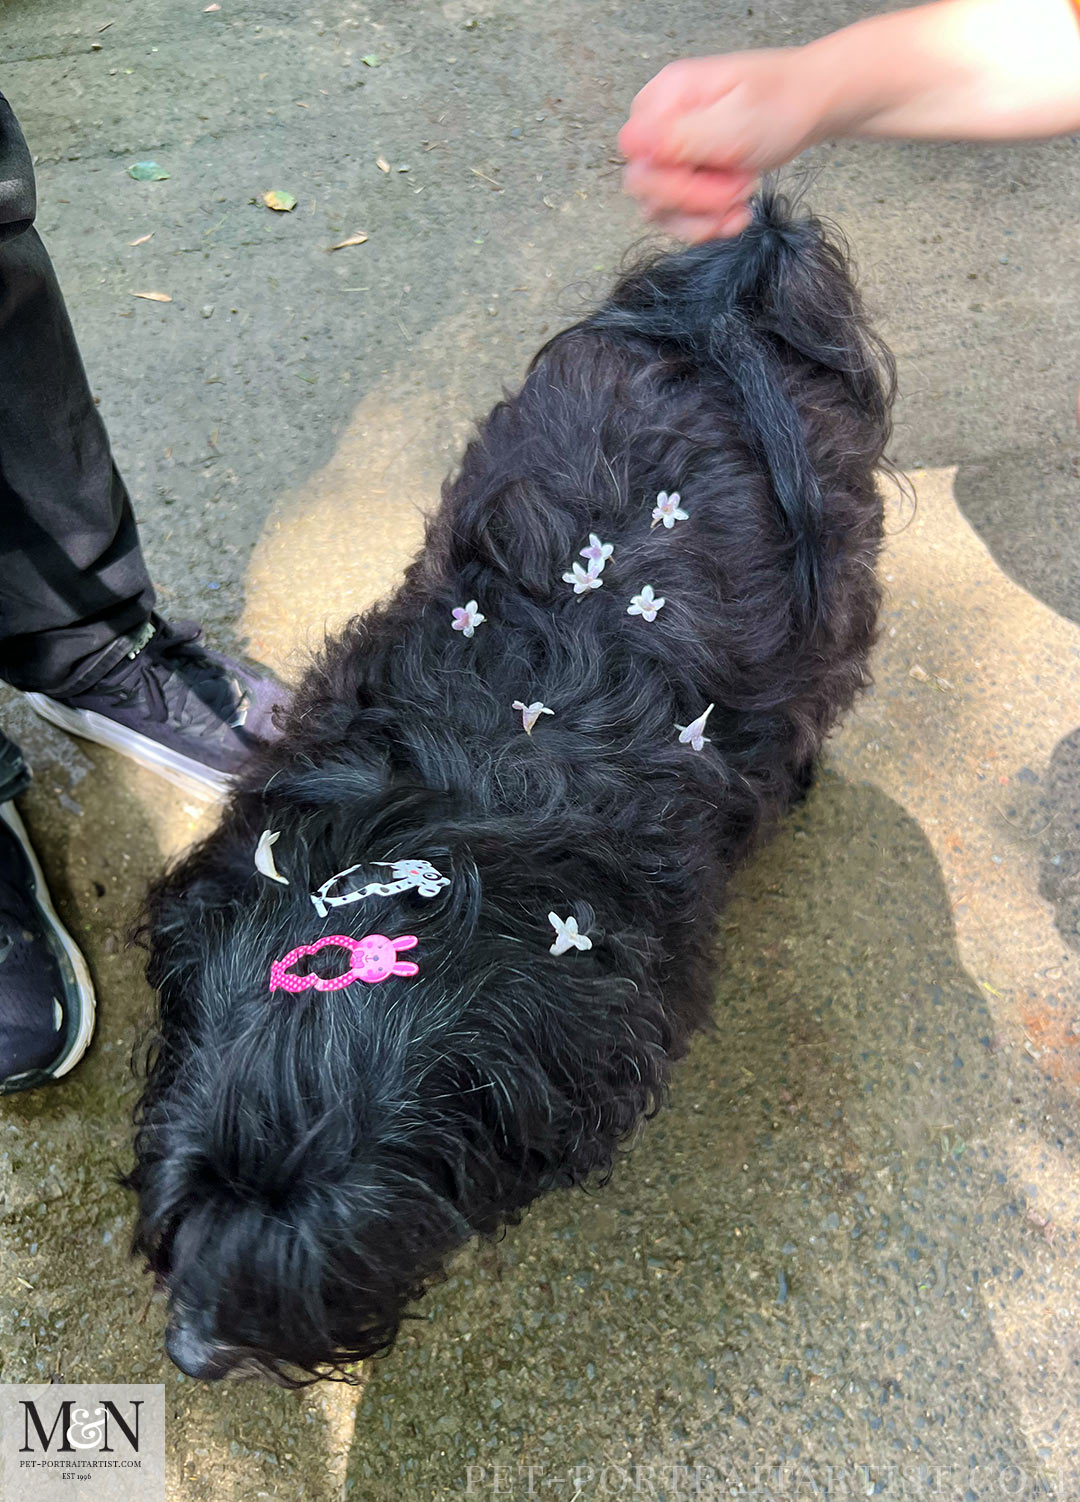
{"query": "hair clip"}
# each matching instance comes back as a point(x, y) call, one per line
point(373, 958)
point(567, 935)
point(467, 618)
point(667, 510)
point(530, 713)
point(583, 579)
point(264, 856)
point(420, 875)
point(694, 734)
point(645, 604)
point(597, 552)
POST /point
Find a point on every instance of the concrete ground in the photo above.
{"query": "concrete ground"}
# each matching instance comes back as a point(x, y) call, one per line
point(843, 1262)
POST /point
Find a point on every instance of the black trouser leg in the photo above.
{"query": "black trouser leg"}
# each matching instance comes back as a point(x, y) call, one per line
point(73, 585)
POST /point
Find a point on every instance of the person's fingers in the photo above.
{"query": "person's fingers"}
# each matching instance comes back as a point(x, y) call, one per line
point(715, 137)
point(684, 85)
point(681, 87)
point(692, 228)
point(698, 227)
point(734, 222)
point(695, 228)
point(683, 190)
point(637, 137)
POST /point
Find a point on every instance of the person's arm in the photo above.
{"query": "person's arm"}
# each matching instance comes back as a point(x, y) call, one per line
point(702, 129)
point(973, 70)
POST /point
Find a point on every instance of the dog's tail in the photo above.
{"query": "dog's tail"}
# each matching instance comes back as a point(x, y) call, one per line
point(746, 307)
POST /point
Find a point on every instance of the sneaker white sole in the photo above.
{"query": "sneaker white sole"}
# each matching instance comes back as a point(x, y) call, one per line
point(180, 770)
point(81, 1042)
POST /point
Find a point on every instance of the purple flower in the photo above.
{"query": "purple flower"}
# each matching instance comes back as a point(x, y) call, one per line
point(597, 552)
point(583, 580)
point(645, 604)
point(694, 734)
point(467, 618)
point(530, 713)
point(667, 510)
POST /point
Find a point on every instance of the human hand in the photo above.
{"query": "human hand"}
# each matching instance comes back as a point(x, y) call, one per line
point(975, 70)
point(703, 129)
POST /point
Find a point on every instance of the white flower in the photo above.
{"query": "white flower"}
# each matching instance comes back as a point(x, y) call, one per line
point(583, 580)
point(694, 733)
point(645, 604)
point(566, 935)
point(530, 713)
point(467, 618)
point(667, 510)
point(598, 552)
point(264, 856)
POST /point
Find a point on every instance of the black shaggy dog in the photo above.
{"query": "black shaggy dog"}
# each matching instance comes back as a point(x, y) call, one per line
point(308, 1159)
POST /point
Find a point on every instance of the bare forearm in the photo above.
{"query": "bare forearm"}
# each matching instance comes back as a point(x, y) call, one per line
point(955, 70)
point(703, 129)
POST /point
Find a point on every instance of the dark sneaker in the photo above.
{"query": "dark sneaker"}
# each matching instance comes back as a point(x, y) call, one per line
point(46, 994)
point(175, 707)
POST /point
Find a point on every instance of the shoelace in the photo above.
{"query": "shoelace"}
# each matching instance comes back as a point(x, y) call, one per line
point(173, 652)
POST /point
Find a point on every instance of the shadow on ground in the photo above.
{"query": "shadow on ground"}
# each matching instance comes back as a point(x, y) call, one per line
point(812, 1257)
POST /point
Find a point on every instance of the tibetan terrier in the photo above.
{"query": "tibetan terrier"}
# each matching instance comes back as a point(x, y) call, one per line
point(456, 924)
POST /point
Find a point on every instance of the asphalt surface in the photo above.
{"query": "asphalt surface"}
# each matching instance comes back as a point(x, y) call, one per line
point(843, 1261)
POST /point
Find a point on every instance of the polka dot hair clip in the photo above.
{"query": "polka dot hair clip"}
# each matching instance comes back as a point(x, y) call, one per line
point(420, 876)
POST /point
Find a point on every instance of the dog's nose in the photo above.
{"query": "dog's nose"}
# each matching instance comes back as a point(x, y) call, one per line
point(194, 1356)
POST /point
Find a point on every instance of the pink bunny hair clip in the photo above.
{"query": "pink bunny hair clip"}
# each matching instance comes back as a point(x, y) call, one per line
point(373, 957)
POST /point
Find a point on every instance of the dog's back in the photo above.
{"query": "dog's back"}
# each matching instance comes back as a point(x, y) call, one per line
point(774, 314)
point(743, 377)
point(707, 440)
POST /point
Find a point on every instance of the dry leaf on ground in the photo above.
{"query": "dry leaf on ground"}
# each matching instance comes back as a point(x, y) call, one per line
point(356, 238)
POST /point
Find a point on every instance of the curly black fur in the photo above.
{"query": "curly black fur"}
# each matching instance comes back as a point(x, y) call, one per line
point(306, 1165)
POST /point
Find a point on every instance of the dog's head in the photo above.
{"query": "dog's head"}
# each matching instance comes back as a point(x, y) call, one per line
point(308, 1159)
